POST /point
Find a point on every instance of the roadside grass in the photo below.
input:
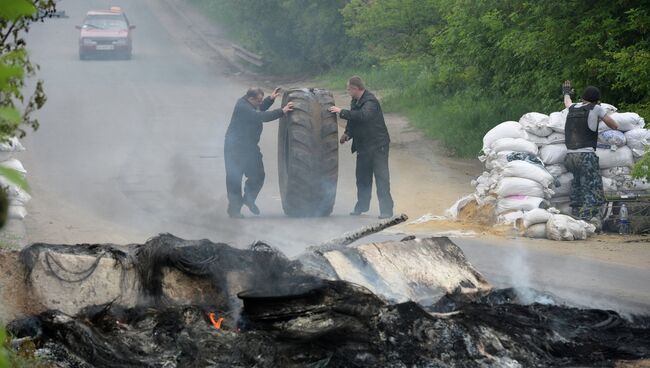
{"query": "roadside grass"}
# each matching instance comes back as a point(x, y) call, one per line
point(458, 120)
point(22, 359)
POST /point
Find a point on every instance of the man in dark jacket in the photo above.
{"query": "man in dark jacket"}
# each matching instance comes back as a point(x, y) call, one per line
point(242, 152)
point(370, 140)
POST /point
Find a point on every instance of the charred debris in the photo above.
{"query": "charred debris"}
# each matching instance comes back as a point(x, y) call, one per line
point(291, 318)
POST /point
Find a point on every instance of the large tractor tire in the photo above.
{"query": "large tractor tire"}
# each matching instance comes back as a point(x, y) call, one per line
point(308, 157)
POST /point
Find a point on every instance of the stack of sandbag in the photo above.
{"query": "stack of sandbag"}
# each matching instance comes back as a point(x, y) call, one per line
point(525, 171)
point(18, 198)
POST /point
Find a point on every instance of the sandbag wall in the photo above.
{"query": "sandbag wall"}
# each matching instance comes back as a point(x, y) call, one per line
point(527, 182)
point(18, 197)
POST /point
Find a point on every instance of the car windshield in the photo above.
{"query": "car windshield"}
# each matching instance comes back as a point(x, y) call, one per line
point(105, 22)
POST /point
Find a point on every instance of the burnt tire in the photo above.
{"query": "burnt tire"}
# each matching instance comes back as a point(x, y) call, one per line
point(308, 154)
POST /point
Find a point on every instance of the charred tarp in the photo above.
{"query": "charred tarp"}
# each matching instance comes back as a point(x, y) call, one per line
point(285, 317)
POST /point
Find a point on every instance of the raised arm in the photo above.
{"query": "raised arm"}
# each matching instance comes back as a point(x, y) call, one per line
point(567, 91)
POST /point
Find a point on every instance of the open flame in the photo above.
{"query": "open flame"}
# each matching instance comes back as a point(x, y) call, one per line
point(216, 322)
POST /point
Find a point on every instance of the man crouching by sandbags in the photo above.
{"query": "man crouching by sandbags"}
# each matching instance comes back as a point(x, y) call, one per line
point(242, 152)
point(581, 135)
point(367, 129)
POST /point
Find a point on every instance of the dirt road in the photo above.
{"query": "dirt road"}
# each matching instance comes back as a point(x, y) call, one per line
point(129, 149)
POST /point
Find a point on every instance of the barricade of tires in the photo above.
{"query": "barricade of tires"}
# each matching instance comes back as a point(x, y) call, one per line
point(526, 183)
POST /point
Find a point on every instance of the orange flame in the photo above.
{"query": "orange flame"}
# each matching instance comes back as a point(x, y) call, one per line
point(215, 322)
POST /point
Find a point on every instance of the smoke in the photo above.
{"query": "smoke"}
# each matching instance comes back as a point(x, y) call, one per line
point(519, 272)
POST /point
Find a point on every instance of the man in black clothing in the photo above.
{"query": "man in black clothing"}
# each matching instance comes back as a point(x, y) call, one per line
point(242, 152)
point(370, 140)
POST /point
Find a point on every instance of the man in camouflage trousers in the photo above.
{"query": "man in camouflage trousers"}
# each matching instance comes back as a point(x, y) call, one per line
point(581, 136)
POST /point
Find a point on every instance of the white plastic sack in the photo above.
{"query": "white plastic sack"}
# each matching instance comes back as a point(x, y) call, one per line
point(628, 183)
point(452, 212)
point(556, 170)
point(565, 185)
point(536, 216)
point(16, 212)
point(536, 123)
point(508, 129)
point(514, 144)
point(9, 147)
point(510, 218)
point(612, 138)
point(620, 157)
point(613, 172)
point(563, 227)
point(553, 153)
point(537, 231)
point(608, 108)
point(638, 140)
point(627, 120)
point(557, 120)
point(497, 160)
point(518, 203)
point(556, 138)
point(519, 186)
point(540, 141)
point(485, 182)
point(609, 184)
point(14, 164)
point(527, 170)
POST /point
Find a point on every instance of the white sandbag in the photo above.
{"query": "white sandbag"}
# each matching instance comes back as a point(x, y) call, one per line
point(608, 108)
point(16, 212)
point(537, 231)
point(613, 172)
point(627, 120)
point(510, 218)
point(536, 123)
point(556, 170)
point(519, 186)
point(556, 138)
point(620, 157)
point(628, 183)
point(14, 164)
point(527, 170)
point(609, 184)
point(514, 144)
point(563, 227)
point(497, 160)
point(638, 140)
point(9, 147)
point(557, 120)
point(485, 182)
point(540, 141)
point(611, 138)
point(553, 153)
point(565, 185)
point(518, 203)
point(508, 129)
point(452, 212)
point(536, 216)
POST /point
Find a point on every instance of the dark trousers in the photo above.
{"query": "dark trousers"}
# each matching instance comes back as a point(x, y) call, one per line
point(374, 163)
point(240, 163)
point(587, 196)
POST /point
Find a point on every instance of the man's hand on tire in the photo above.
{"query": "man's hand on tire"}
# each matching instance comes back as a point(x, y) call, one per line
point(288, 107)
point(344, 138)
point(335, 109)
point(276, 93)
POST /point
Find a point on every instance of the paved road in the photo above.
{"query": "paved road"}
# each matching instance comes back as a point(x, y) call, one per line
point(140, 143)
point(135, 147)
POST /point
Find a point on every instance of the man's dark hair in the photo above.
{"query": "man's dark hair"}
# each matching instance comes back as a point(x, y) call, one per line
point(254, 92)
point(591, 94)
point(357, 82)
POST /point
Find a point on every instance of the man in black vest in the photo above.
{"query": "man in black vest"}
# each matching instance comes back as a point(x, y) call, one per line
point(370, 140)
point(242, 152)
point(581, 136)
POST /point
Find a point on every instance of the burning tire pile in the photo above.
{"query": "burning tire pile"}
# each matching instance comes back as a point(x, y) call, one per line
point(527, 184)
point(287, 317)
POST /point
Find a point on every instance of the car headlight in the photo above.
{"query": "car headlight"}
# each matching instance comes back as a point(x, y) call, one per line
point(121, 42)
point(89, 42)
